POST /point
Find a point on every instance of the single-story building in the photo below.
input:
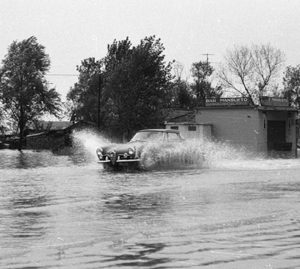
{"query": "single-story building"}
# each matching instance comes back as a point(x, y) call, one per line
point(53, 134)
point(189, 128)
point(267, 128)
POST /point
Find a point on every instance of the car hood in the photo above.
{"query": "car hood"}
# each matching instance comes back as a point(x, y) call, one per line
point(122, 148)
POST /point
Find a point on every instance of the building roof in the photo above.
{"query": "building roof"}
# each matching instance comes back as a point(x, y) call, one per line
point(36, 135)
point(57, 126)
point(185, 118)
point(172, 113)
point(160, 130)
point(51, 125)
point(277, 108)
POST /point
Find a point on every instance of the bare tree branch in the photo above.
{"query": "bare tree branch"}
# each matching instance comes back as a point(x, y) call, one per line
point(250, 71)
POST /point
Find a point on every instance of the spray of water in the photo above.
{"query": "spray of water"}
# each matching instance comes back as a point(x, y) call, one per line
point(190, 153)
point(85, 142)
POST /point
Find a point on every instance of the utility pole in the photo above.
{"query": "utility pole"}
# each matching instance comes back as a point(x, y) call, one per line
point(207, 60)
point(21, 119)
point(207, 55)
point(99, 102)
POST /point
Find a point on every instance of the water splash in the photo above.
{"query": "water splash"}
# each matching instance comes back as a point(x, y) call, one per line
point(197, 153)
point(86, 142)
point(187, 154)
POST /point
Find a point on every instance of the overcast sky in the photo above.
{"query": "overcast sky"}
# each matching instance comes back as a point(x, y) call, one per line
point(72, 30)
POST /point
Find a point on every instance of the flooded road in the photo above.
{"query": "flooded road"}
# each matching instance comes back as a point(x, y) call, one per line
point(67, 212)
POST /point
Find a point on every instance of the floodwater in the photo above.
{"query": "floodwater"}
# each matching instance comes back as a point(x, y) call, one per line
point(65, 211)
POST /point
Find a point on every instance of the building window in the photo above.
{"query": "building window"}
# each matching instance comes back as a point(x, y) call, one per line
point(192, 128)
point(174, 127)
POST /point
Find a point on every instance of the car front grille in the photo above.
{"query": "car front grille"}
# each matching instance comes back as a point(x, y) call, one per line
point(114, 157)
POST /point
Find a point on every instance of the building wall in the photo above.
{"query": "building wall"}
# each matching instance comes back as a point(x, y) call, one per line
point(45, 141)
point(55, 139)
point(191, 131)
point(237, 126)
point(248, 127)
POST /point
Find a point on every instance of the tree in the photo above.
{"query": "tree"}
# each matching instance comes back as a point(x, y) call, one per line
point(24, 90)
point(132, 84)
point(202, 88)
point(182, 94)
point(251, 71)
point(137, 83)
point(84, 96)
point(291, 83)
point(2, 119)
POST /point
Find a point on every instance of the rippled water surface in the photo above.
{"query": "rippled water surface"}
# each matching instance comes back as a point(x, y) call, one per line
point(64, 211)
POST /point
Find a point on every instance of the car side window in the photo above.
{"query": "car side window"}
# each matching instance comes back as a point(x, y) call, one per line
point(173, 137)
point(155, 137)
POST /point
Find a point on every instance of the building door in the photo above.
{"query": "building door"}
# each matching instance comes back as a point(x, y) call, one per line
point(276, 135)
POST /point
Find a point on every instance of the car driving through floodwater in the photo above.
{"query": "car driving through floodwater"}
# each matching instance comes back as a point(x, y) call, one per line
point(116, 155)
point(236, 211)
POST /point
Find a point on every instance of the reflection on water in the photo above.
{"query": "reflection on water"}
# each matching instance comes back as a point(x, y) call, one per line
point(65, 211)
point(139, 256)
point(27, 224)
point(143, 204)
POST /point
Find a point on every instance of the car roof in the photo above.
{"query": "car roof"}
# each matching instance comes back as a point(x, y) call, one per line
point(160, 130)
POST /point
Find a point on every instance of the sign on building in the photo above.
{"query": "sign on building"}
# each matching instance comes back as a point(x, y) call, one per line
point(273, 101)
point(236, 101)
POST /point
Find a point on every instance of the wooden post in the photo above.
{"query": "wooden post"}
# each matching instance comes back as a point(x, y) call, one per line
point(99, 102)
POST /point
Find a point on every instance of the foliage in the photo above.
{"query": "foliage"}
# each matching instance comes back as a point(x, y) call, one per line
point(2, 119)
point(138, 83)
point(250, 71)
point(202, 88)
point(291, 82)
point(135, 85)
point(23, 88)
point(182, 96)
point(83, 96)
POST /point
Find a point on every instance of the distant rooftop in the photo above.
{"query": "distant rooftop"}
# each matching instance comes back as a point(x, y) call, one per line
point(187, 117)
point(51, 125)
point(172, 113)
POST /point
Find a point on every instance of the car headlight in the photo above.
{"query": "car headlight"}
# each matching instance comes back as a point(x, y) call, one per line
point(131, 151)
point(99, 152)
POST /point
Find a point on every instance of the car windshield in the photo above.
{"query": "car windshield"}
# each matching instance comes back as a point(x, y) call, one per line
point(147, 136)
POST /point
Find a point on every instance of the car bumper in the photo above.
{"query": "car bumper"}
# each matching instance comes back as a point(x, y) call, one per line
point(120, 161)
